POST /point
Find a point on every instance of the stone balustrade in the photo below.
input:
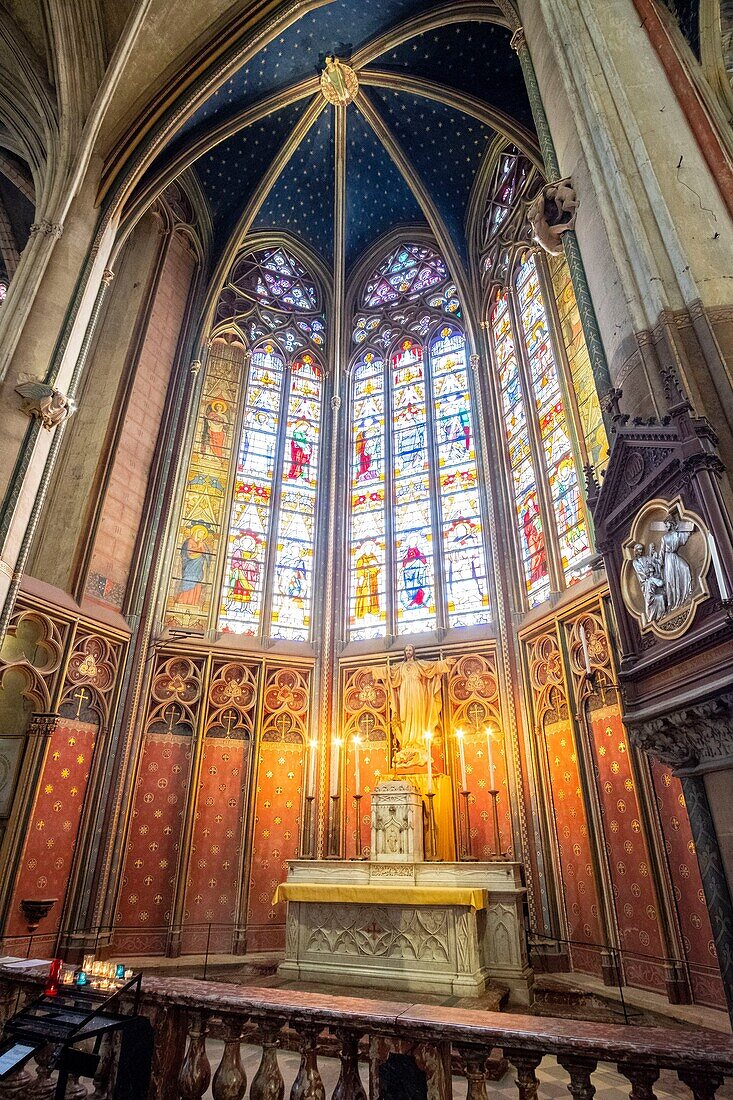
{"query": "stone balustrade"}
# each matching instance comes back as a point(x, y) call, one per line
point(185, 1013)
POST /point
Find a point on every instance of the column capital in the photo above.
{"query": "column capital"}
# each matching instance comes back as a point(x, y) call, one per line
point(699, 734)
point(107, 276)
point(43, 724)
point(46, 228)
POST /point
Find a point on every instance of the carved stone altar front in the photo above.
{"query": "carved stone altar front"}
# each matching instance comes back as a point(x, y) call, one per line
point(397, 832)
point(448, 928)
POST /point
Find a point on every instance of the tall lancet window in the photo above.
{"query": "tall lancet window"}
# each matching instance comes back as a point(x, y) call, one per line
point(245, 558)
point(534, 375)
point(416, 547)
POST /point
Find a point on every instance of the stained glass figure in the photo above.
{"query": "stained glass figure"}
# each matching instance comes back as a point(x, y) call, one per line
point(291, 598)
point(533, 553)
point(202, 514)
point(242, 591)
point(572, 529)
point(414, 481)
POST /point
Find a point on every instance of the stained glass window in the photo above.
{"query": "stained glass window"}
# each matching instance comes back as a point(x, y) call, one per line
point(255, 459)
point(557, 452)
point(417, 554)
point(521, 463)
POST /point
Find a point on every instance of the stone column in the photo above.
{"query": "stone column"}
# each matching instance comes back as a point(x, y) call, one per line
point(651, 215)
point(697, 743)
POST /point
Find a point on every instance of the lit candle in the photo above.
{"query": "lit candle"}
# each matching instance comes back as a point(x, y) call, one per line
point(718, 567)
point(462, 760)
point(489, 738)
point(311, 789)
point(584, 643)
point(428, 742)
point(335, 772)
point(357, 768)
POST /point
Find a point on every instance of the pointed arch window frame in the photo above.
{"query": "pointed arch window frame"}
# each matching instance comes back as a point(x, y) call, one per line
point(558, 580)
point(448, 315)
point(232, 327)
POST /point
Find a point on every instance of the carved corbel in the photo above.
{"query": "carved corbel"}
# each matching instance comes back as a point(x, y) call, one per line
point(551, 213)
point(45, 403)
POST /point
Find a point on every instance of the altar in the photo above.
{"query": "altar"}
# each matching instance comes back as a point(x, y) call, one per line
point(447, 928)
point(399, 921)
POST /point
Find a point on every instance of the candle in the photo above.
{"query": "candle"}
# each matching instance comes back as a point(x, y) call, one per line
point(311, 788)
point(335, 777)
point(462, 760)
point(489, 739)
point(428, 742)
point(718, 567)
point(584, 643)
point(357, 768)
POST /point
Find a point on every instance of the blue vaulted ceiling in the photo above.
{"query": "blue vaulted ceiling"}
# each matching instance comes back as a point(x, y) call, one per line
point(377, 196)
point(415, 53)
point(445, 146)
point(301, 200)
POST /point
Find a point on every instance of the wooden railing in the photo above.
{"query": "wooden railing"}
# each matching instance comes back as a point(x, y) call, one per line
point(442, 1041)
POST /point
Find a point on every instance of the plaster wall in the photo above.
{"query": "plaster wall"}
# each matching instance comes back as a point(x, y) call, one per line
point(117, 532)
point(64, 528)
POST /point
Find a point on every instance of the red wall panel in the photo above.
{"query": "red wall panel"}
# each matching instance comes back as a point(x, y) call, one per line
point(631, 874)
point(684, 871)
point(153, 845)
point(49, 848)
point(214, 869)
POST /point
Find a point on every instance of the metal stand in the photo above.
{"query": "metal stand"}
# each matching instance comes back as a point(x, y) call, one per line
point(309, 834)
point(357, 800)
point(467, 854)
point(498, 854)
point(334, 832)
point(432, 838)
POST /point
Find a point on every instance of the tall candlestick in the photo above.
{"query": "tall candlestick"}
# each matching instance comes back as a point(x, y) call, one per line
point(718, 567)
point(489, 738)
point(357, 768)
point(335, 776)
point(584, 643)
point(311, 788)
point(428, 743)
point(462, 760)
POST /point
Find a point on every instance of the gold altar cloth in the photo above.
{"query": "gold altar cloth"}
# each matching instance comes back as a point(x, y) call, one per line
point(376, 894)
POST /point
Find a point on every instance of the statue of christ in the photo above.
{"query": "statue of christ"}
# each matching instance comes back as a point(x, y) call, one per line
point(415, 699)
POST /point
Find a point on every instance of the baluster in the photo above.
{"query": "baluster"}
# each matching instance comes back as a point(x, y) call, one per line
point(581, 1070)
point(230, 1080)
point(108, 1049)
point(76, 1090)
point(308, 1084)
point(195, 1075)
point(43, 1087)
point(642, 1078)
point(474, 1067)
point(525, 1062)
point(16, 1086)
point(349, 1086)
point(268, 1082)
point(704, 1083)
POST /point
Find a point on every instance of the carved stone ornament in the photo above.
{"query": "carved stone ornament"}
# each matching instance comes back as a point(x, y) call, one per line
point(339, 82)
point(396, 822)
point(551, 213)
point(45, 403)
point(666, 559)
point(695, 735)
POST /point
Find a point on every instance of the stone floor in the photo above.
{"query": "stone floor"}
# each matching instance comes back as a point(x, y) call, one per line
point(553, 1079)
